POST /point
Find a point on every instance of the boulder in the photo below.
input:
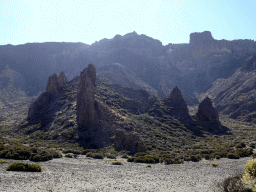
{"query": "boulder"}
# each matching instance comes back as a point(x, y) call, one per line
point(87, 110)
point(128, 141)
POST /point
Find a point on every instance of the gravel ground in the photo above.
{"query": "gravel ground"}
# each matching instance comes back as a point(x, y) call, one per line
point(81, 174)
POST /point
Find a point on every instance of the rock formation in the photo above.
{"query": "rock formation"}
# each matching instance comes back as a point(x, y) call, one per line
point(87, 112)
point(52, 84)
point(62, 80)
point(206, 112)
point(201, 38)
point(178, 104)
point(53, 87)
point(128, 141)
point(55, 83)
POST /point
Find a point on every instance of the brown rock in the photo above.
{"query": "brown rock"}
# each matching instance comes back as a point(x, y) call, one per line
point(128, 141)
point(178, 104)
point(52, 84)
point(87, 114)
point(206, 112)
point(62, 80)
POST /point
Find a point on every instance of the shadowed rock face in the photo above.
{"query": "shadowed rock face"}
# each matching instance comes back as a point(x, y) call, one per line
point(55, 83)
point(87, 113)
point(62, 80)
point(201, 38)
point(206, 112)
point(52, 84)
point(178, 104)
point(52, 90)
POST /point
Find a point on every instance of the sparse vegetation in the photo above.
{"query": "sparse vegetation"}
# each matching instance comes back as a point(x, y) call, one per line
point(3, 161)
point(116, 162)
point(69, 155)
point(20, 166)
point(214, 164)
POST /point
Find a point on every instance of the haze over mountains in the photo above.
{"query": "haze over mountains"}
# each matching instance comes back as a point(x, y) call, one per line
point(132, 60)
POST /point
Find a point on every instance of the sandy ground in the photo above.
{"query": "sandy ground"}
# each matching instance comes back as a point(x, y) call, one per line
point(81, 174)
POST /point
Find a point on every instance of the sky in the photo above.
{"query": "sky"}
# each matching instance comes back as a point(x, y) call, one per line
point(87, 21)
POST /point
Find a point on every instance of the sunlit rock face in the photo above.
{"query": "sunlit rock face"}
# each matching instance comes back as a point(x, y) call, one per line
point(87, 114)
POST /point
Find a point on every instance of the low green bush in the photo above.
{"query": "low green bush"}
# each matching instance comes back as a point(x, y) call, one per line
point(20, 166)
point(233, 156)
point(144, 159)
point(111, 156)
point(217, 156)
point(3, 161)
point(175, 160)
point(244, 152)
point(250, 170)
point(43, 155)
point(125, 156)
point(72, 151)
point(69, 155)
point(130, 159)
point(195, 158)
point(56, 154)
point(95, 155)
point(115, 162)
point(214, 164)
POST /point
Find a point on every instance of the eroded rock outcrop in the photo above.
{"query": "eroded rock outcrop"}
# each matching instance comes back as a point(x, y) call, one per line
point(62, 80)
point(206, 112)
point(53, 88)
point(128, 141)
point(201, 38)
point(52, 84)
point(55, 83)
point(178, 105)
point(87, 112)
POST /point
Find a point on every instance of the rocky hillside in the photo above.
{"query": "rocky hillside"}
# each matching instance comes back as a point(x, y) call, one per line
point(144, 62)
point(236, 95)
point(96, 114)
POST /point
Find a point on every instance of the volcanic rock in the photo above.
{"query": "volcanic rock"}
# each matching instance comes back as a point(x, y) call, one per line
point(62, 80)
point(178, 104)
point(201, 38)
point(52, 90)
point(206, 112)
point(87, 110)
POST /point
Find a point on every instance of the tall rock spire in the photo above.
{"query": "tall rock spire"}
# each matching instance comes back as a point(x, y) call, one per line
point(87, 114)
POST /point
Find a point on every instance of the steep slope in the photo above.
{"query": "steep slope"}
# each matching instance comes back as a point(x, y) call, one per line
point(235, 96)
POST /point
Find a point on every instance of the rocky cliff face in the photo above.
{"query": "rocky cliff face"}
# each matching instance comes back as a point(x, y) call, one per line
point(235, 96)
point(178, 105)
point(201, 38)
point(87, 112)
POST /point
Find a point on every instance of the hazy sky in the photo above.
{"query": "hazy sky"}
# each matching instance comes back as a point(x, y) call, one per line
point(87, 21)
